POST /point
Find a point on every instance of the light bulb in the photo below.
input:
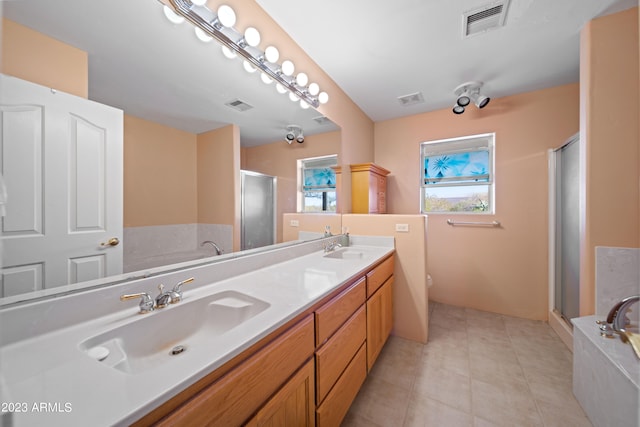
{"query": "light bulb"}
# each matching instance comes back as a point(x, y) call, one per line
point(302, 79)
point(204, 37)
point(228, 52)
point(173, 17)
point(199, 2)
point(271, 54)
point(293, 97)
point(288, 68)
point(226, 16)
point(252, 36)
point(248, 66)
point(280, 88)
point(304, 104)
point(323, 97)
point(314, 89)
point(266, 79)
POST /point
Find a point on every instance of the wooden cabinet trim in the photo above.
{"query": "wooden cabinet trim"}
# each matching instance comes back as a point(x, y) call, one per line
point(332, 411)
point(378, 275)
point(334, 313)
point(334, 356)
point(237, 395)
point(293, 405)
point(379, 321)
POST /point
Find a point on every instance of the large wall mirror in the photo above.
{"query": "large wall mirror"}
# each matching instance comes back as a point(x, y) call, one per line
point(165, 79)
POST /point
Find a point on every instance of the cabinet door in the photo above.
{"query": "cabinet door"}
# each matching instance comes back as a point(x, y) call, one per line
point(240, 393)
point(332, 411)
point(379, 321)
point(293, 405)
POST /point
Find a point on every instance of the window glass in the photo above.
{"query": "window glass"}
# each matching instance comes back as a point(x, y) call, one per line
point(317, 184)
point(458, 175)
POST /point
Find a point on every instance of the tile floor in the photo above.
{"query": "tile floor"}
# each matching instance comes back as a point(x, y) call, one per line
point(478, 369)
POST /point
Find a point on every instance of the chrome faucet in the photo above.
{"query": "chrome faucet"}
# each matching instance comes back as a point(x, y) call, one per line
point(164, 298)
point(146, 303)
point(617, 316)
point(216, 247)
point(331, 246)
point(176, 292)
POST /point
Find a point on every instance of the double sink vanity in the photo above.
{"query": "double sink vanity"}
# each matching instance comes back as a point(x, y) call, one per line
point(285, 336)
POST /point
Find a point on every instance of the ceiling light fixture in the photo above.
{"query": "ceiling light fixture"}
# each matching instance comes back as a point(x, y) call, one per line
point(220, 26)
point(469, 92)
point(294, 133)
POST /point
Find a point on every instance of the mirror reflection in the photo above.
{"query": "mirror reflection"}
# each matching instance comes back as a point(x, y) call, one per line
point(175, 102)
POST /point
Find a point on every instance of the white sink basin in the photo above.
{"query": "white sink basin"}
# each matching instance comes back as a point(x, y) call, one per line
point(345, 253)
point(153, 339)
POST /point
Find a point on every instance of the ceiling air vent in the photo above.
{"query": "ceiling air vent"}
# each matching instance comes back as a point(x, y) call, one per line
point(322, 120)
point(239, 105)
point(488, 17)
point(412, 99)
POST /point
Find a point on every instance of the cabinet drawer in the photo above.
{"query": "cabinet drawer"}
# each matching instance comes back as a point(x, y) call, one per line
point(336, 405)
point(377, 276)
point(335, 354)
point(334, 313)
point(237, 395)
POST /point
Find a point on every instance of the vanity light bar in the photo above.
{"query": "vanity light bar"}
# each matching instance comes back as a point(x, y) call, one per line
point(205, 19)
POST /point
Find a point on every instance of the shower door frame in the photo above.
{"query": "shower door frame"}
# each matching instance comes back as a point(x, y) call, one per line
point(554, 227)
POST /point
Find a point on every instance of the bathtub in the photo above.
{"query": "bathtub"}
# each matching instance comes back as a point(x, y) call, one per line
point(606, 376)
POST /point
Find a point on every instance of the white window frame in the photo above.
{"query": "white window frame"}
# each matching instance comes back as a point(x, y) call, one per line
point(456, 145)
point(300, 184)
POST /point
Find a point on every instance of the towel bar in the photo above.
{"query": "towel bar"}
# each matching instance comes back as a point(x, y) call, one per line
point(481, 224)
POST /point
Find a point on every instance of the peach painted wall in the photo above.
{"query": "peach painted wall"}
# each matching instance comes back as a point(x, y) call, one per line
point(314, 223)
point(279, 159)
point(160, 182)
point(503, 270)
point(32, 56)
point(410, 293)
point(218, 166)
point(609, 141)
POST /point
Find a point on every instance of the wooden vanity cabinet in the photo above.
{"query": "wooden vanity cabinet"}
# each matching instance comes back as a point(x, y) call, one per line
point(368, 188)
point(293, 405)
point(305, 374)
point(379, 308)
point(238, 395)
point(379, 321)
point(341, 330)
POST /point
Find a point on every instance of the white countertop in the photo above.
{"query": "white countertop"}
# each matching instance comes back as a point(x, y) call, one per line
point(56, 383)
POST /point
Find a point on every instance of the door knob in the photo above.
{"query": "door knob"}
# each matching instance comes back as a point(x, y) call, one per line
point(111, 242)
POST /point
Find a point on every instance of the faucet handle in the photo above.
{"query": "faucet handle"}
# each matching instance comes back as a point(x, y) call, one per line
point(176, 293)
point(146, 303)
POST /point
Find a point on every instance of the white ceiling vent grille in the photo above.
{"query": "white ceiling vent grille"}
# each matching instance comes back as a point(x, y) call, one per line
point(412, 99)
point(239, 105)
point(322, 120)
point(488, 17)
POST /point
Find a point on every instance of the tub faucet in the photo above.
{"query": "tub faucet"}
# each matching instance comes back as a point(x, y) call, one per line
point(617, 316)
point(216, 247)
point(331, 246)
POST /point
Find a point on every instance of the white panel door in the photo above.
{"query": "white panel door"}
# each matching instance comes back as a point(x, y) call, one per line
point(61, 159)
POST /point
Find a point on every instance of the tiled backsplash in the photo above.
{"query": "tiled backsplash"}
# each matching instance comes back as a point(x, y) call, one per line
point(617, 277)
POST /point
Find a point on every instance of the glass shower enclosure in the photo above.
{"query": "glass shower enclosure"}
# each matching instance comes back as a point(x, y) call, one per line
point(566, 216)
point(258, 210)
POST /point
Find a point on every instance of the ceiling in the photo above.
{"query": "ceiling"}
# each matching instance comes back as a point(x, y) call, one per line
point(159, 71)
point(391, 49)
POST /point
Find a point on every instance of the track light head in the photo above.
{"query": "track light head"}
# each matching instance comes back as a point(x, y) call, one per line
point(467, 92)
point(294, 133)
point(482, 101)
point(463, 100)
point(457, 109)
